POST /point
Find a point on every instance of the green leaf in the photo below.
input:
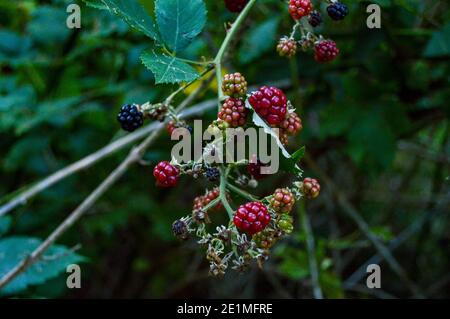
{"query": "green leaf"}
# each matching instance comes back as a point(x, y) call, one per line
point(288, 162)
point(439, 44)
point(259, 40)
point(180, 21)
point(135, 15)
point(51, 264)
point(97, 4)
point(168, 69)
point(5, 224)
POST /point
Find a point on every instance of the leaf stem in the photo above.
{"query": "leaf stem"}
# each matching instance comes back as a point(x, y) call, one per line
point(226, 42)
point(223, 192)
point(242, 193)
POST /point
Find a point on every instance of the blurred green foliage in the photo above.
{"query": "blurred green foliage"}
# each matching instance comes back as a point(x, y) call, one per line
point(376, 122)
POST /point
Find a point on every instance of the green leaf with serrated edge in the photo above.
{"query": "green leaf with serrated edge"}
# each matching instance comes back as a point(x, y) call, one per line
point(135, 15)
point(168, 69)
point(180, 21)
point(54, 261)
point(287, 161)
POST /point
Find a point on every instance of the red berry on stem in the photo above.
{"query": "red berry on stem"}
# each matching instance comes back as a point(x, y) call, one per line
point(233, 112)
point(287, 47)
point(292, 124)
point(166, 174)
point(310, 187)
point(326, 51)
point(252, 217)
point(270, 103)
point(300, 8)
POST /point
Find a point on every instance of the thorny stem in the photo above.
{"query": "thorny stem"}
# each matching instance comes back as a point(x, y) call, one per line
point(230, 35)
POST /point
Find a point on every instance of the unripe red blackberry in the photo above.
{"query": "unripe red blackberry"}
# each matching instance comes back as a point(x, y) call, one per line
point(315, 19)
point(282, 200)
point(252, 217)
point(265, 239)
point(166, 174)
point(325, 51)
point(287, 47)
point(234, 85)
point(236, 5)
point(270, 103)
point(130, 117)
point(286, 223)
point(201, 201)
point(233, 112)
point(310, 187)
point(300, 8)
point(292, 124)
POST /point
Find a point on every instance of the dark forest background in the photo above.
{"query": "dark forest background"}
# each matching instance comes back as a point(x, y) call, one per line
point(376, 127)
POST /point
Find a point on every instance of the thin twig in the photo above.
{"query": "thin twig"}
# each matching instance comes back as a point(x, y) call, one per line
point(310, 245)
point(24, 197)
point(364, 228)
point(133, 157)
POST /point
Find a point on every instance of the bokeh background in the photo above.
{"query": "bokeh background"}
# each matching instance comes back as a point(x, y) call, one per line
point(376, 128)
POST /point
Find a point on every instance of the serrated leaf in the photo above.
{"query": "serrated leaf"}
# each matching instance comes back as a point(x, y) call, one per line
point(180, 21)
point(54, 262)
point(288, 162)
point(135, 15)
point(168, 69)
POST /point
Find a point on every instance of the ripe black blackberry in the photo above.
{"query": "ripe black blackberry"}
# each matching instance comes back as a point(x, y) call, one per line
point(337, 11)
point(212, 174)
point(315, 19)
point(130, 118)
point(180, 229)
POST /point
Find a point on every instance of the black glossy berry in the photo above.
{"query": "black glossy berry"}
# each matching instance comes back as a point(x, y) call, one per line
point(130, 118)
point(337, 11)
point(212, 174)
point(315, 19)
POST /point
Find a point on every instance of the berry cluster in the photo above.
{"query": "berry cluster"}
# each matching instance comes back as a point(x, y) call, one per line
point(233, 112)
point(287, 47)
point(324, 50)
point(300, 8)
point(310, 187)
point(166, 174)
point(270, 103)
point(251, 217)
point(130, 117)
